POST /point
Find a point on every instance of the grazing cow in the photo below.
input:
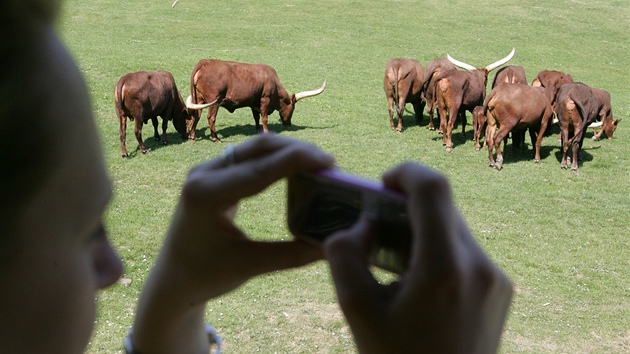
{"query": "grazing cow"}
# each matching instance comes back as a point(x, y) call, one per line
point(434, 68)
point(579, 105)
point(516, 107)
point(460, 91)
point(402, 84)
point(552, 80)
point(235, 85)
point(143, 96)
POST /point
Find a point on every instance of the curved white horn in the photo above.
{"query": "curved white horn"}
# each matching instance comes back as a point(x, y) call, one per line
point(496, 64)
point(596, 124)
point(461, 64)
point(191, 105)
point(303, 94)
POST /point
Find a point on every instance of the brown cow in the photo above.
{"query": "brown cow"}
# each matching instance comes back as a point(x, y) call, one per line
point(552, 80)
point(143, 95)
point(460, 91)
point(516, 107)
point(402, 84)
point(433, 70)
point(479, 125)
point(508, 74)
point(579, 105)
point(235, 85)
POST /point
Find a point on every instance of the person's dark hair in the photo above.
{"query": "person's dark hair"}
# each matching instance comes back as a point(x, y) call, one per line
point(29, 12)
point(25, 136)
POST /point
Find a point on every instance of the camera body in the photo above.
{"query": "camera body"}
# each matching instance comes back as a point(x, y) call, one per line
point(326, 201)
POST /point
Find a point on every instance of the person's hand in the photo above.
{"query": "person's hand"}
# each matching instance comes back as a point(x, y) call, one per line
point(451, 299)
point(205, 255)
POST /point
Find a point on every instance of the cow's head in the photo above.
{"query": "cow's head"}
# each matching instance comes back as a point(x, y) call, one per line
point(608, 129)
point(180, 122)
point(287, 104)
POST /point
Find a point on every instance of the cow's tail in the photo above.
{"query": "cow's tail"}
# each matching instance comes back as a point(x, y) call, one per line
point(194, 93)
point(399, 109)
point(119, 99)
point(193, 83)
point(393, 76)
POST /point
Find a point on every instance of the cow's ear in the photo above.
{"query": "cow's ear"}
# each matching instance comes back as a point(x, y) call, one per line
point(617, 121)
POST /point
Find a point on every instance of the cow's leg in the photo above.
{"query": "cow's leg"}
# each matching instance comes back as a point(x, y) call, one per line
point(576, 150)
point(443, 117)
point(442, 111)
point(489, 138)
point(191, 125)
point(578, 139)
point(390, 108)
point(504, 130)
point(164, 126)
point(138, 132)
point(596, 135)
point(462, 118)
point(431, 110)
point(156, 135)
point(400, 110)
point(212, 118)
point(418, 109)
point(264, 118)
point(264, 109)
point(564, 143)
point(533, 137)
point(453, 114)
point(123, 134)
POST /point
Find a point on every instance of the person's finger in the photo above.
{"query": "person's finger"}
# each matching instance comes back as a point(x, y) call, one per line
point(264, 257)
point(360, 296)
point(434, 219)
point(228, 185)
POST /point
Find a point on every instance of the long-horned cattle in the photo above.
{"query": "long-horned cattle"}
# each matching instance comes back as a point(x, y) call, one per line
point(235, 85)
point(143, 96)
point(459, 91)
point(515, 107)
point(579, 105)
point(432, 71)
point(403, 84)
point(512, 74)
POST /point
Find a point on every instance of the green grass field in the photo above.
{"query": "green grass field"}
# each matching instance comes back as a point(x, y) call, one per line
point(563, 239)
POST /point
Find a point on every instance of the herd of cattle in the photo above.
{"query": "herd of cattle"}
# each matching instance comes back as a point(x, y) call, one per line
point(511, 107)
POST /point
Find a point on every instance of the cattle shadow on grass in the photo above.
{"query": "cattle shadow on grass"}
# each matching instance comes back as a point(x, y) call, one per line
point(409, 119)
point(152, 145)
point(583, 155)
point(247, 130)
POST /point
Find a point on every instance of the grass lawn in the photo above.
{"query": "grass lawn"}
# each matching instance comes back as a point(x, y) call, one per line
point(563, 239)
